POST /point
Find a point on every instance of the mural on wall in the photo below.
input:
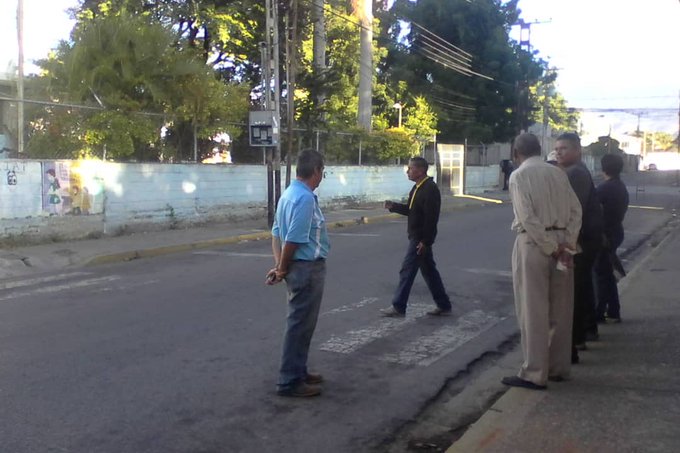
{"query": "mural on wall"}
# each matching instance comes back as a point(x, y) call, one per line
point(11, 172)
point(70, 189)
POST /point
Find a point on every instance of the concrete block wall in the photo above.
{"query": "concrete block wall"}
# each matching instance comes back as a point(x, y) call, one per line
point(480, 179)
point(133, 197)
point(20, 189)
point(363, 184)
point(139, 194)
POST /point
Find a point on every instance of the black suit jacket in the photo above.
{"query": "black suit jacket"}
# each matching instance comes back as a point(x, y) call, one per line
point(424, 213)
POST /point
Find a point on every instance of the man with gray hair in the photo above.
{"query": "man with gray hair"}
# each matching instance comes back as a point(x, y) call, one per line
point(547, 222)
point(300, 245)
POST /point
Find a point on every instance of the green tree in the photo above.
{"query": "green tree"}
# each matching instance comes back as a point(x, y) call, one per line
point(603, 145)
point(421, 120)
point(132, 68)
point(468, 105)
point(547, 100)
point(659, 141)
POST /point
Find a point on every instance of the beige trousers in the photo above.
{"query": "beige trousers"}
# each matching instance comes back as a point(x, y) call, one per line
point(544, 304)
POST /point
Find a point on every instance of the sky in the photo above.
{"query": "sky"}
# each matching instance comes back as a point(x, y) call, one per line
point(610, 54)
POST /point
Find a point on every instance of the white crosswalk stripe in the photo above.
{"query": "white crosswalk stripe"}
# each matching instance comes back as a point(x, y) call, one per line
point(362, 303)
point(430, 348)
point(125, 286)
point(382, 327)
point(60, 287)
point(364, 235)
point(221, 253)
point(493, 272)
point(39, 280)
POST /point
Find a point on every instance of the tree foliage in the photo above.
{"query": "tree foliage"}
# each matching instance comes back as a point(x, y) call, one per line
point(192, 66)
point(468, 105)
point(131, 67)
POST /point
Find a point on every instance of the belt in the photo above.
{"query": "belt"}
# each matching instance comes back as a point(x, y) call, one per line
point(552, 228)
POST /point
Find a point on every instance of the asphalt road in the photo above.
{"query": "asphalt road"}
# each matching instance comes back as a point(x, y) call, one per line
point(180, 353)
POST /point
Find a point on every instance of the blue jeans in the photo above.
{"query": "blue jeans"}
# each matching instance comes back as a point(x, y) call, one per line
point(428, 268)
point(305, 282)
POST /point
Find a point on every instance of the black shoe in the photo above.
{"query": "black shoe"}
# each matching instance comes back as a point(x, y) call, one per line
point(515, 381)
point(592, 336)
point(557, 378)
point(301, 390)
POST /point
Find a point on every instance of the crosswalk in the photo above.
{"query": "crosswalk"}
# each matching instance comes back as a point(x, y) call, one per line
point(423, 350)
point(25, 288)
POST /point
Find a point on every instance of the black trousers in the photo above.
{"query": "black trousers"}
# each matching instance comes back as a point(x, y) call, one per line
point(607, 291)
point(585, 318)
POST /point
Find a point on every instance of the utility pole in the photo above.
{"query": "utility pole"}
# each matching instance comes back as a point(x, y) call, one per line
point(522, 86)
point(546, 117)
point(272, 32)
point(271, 87)
point(20, 77)
point(364, 10)
point(267, 101)
point(291, 73)
point(319, 52)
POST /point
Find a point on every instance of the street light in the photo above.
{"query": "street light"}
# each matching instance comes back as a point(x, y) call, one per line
point(397, 105)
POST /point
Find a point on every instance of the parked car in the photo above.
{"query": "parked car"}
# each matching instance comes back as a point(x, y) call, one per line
point(652, 167)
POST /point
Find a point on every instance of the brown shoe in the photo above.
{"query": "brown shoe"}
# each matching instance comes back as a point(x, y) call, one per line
point(313, 379)
point(301, 390)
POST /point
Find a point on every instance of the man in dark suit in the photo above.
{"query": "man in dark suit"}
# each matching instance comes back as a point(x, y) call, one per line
point(422, 209)
point(568, 147)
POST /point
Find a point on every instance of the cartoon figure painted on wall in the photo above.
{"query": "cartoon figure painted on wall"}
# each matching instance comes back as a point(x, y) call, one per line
point(53, 193)
point(80, 201)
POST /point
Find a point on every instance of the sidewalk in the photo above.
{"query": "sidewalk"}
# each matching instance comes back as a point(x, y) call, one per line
point(625, 394)
point(46, 257)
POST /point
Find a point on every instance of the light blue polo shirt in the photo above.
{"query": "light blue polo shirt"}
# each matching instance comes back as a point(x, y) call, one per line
point(299, 219)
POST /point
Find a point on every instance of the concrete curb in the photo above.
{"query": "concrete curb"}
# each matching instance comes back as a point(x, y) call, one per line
point(179, 248)
point(502, 419)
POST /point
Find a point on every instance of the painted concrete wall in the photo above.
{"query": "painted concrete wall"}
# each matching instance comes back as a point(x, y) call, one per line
point(133, 197)
point(481, 179)
point(129, 197)
point(139, 194)
point(20, 189)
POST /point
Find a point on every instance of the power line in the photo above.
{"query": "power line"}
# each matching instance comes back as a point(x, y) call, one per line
point(442, 40)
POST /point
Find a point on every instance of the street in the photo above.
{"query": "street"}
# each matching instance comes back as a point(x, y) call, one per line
point(180, 353)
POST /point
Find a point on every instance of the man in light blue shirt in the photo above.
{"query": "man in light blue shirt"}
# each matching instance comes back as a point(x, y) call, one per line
point(300, 245)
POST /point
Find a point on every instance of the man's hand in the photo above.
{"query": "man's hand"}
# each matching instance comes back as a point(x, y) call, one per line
point(275, 276)
point(389, 204)
point(421, 248)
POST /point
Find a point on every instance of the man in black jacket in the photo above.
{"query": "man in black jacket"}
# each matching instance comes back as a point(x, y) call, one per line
point(613, 195)
point(568, 147)
point(422, 209)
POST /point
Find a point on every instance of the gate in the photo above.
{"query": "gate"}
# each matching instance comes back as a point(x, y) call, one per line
point(452, 164)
